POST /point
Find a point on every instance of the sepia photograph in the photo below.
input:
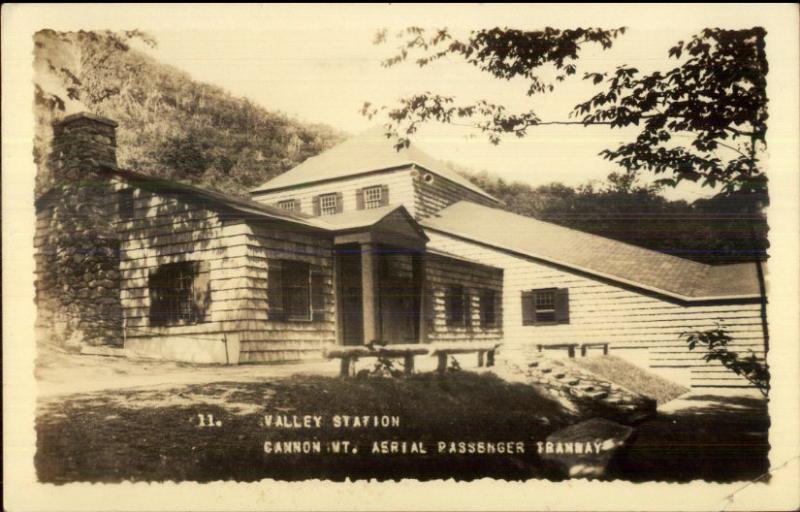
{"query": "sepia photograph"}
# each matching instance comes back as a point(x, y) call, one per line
point(364, 245)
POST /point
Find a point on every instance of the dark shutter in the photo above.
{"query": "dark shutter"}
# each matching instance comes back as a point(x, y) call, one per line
point(339, 202)
point(384, 195)
point(201, 290)
point(562, 305)
point(528, 308)
point(317, 211)
point(498, 309)
point(296, 205)
point(360, 199)
point(156, 294)
point(467, 310)
point(317, 297)
point(275, 291)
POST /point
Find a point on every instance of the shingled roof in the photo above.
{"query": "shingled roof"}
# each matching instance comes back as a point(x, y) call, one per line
point(617, 261)
point(368, 152)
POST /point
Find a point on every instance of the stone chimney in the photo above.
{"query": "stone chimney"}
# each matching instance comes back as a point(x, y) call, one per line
point(83, 142)
point(77, 241)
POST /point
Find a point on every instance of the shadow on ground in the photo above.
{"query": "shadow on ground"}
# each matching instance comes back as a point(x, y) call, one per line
point(700, 436)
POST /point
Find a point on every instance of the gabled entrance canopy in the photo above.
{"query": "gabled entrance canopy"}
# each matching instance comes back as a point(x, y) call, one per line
point(380, 269)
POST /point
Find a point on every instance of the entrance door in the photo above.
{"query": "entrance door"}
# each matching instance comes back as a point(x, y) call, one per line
point(350, 298)
point(397, 299)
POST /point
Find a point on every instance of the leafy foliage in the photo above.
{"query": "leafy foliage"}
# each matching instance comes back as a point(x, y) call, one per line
point(504, 53)
point(715, 97)
point(715, 342)
point(169, 125)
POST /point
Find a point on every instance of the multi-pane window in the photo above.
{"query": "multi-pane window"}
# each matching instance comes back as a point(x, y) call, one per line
point(545, 306)
point(328, 204)
point(178, 294)
point(291, 205)
point(294, 292)
point(125, 203)
point(455, 305)
point(487, 306)
point(373, 197)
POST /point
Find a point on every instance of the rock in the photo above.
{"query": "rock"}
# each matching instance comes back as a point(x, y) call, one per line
point(585, 449)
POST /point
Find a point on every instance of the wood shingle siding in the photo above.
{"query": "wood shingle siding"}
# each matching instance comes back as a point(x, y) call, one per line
point(630, 320)
point(442, 273)
point(167, 229)
point(437, 193)
point(397, 183)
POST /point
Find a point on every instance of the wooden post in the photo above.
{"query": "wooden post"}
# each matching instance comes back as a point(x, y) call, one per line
point(409, 364)
point(583, 350)
point(369, 291)
point(418, 269)
point(490, 358)
point(571, 351)
point(605, 349)
point(480, 358)
point(539, 347)
point(441, 367)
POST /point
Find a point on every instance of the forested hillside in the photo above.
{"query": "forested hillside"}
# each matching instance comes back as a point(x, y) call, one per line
point(169, 124)
point(174, 127)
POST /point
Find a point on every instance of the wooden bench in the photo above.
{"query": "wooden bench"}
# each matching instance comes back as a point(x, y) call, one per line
point(569, 346)
point(443, 350)
point(586, 346)
point(349, 355)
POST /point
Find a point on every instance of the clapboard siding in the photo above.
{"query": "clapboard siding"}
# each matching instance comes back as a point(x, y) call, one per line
point(601, 311)
point(442, 272)
point(433, 193)
point(401, 190)
point(168, 229)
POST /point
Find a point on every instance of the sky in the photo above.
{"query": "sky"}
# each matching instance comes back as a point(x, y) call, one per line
point(320, 65)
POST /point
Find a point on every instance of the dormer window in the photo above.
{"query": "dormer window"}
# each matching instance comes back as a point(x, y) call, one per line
point(291, 205)
point(328, 204)
point(372, 197)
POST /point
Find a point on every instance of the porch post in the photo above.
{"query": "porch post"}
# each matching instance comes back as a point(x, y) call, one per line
point(419, 273)
point(369, 291)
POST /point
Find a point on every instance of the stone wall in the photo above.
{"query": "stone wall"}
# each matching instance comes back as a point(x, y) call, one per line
point(76, 243)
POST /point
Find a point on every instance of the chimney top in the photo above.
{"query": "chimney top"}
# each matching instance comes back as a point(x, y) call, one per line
point(88, 116)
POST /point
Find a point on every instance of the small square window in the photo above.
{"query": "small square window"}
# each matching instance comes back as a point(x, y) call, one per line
point(328, 204)
point(373, 197)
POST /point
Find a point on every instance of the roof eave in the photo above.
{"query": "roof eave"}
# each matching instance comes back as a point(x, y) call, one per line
point(608, 277)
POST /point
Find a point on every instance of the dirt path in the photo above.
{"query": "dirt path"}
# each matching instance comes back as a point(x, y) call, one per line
point(60, 373)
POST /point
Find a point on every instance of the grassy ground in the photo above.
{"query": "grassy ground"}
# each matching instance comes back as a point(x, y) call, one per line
point(632, 377)
point(155, 434)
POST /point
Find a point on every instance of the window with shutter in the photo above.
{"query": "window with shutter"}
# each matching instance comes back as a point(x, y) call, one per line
point(275, 291)
point(545, 306)
point(360, 199)
point(374, 197)
point(179, 295)
point(328, 204)
point(292, 205)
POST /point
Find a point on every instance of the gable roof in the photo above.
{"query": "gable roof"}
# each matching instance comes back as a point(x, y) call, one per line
point(360, 219)
point(617, 261)
point(368, 152)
